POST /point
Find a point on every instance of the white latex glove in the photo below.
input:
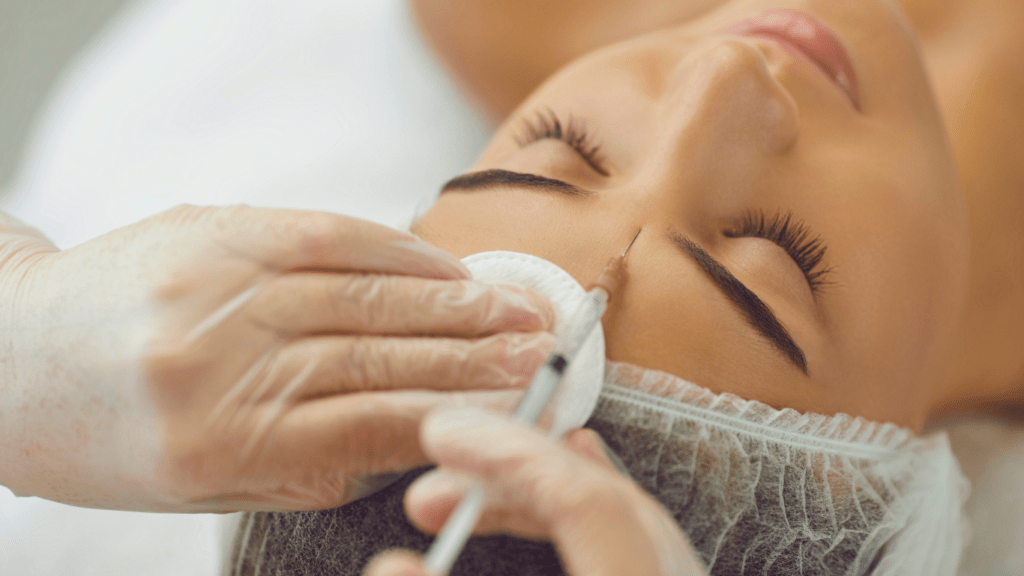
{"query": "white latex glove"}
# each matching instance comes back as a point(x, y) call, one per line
point(215, 359)
point(601, 522)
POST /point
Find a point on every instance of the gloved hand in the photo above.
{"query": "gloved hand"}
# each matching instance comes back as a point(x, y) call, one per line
point(214, 359)
point(601, 522)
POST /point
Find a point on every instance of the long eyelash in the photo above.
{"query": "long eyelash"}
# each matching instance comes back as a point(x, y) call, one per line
point(573, 132)
point(791, 235)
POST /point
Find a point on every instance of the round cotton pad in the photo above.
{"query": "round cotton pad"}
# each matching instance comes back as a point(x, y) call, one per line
point(577, 395)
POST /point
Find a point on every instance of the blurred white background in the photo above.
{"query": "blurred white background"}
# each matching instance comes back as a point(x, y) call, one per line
point(112, 111)
point(38, 38)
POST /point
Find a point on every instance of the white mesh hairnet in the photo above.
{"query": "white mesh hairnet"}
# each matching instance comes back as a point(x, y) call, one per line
point(765, 491)
point(758, 491)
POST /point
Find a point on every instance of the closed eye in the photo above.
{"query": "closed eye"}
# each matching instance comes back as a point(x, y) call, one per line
point(547, 125)
point(803, 246)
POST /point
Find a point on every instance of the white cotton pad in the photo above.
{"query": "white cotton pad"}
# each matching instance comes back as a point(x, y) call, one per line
point(577, 395)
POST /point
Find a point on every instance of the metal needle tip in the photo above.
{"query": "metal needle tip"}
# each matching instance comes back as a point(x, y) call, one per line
point(631, 242)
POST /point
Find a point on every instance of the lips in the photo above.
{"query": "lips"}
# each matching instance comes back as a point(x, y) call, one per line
point(809, 37)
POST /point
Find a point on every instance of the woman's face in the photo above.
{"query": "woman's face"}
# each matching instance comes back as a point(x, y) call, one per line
point(710, 136)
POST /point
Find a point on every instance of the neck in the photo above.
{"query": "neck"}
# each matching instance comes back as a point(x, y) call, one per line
point(973, 52)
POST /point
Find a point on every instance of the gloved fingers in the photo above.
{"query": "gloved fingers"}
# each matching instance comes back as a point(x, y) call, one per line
point(308, 302)
point(20, 244)
point(396, 563)
point(590, 512)
point(493, 449)
point(297, 239)
point(347, 364)
point(290, 449)
point(305, 493)
point(434, 495)
point(591, 446)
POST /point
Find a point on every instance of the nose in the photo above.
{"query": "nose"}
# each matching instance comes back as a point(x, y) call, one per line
point(722, 91)
point(721, 121)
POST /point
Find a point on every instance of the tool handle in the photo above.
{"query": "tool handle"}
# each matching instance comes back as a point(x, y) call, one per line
point(452, 539)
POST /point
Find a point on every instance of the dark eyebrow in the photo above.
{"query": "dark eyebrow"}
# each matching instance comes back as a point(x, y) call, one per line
point(496, 177)
point(758, 314)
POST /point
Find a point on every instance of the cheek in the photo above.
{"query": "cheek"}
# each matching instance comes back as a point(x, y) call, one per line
point(898, 294)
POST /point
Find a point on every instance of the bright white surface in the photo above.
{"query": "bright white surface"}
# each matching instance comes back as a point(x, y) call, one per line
point(319, 104)
point(991, 453)
point(38, 537)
